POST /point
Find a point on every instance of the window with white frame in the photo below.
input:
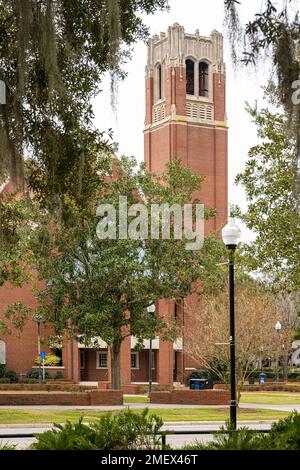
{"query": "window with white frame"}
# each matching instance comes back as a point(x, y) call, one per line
point(82, 360)
point(135, 360)
point(102, 360)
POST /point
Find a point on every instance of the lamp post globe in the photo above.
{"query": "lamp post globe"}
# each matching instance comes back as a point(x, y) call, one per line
point(231, 234)
point(278, 326)
point(151, 308)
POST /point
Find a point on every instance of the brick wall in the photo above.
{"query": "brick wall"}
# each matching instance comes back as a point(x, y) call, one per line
point(142, 373)
point(93, 398)
point(90, 372)
point(136, 389)
point(192, 397)
point(21, 347)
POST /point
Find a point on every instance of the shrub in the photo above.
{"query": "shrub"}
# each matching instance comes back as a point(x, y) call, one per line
point(7, 446)
point(294, 375)
point(4, 380)
point(26, 380)
point(124, 431)
point(231, 439)
point(7, 376)
point(12, 376)
point(59, 375)
point(34, 374)
point(284, 435)
point(2, 370)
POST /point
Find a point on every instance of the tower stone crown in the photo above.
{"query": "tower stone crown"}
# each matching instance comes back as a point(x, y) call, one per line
point(172, 49)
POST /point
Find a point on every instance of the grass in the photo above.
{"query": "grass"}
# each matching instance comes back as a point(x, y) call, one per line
point(271, 398)
point(135, 399)
point(263, 398)
point(38, 416)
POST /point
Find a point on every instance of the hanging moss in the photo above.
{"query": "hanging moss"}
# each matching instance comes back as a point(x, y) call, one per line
point(52, 56)
point(278, 33)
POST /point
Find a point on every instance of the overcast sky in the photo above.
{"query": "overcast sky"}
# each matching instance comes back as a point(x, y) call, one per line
point(242, 85)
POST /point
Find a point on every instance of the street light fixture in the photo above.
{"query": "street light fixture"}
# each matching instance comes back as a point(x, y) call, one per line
point(277, 327)
point(151, 311)
point(231, 234)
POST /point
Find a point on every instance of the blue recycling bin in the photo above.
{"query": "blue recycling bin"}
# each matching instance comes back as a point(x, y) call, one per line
point(262, 378)
point(195, 384)
point(201, 384)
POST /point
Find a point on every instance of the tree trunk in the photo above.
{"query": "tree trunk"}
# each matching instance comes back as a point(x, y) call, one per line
point(115, 367)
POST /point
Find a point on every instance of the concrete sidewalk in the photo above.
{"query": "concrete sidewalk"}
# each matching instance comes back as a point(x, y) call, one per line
point(288, 408)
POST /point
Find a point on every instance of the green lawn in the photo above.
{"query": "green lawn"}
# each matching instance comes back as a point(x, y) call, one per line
point(271, 398)
point(264, 398)
point(135, 399)
point(37, 416)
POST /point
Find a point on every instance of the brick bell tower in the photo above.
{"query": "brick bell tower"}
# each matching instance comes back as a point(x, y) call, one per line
point(186, 118)
point(186, 111)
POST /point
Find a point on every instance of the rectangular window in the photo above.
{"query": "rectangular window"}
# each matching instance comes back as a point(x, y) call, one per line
point(82, 360)
point(102, 360)
point(135, 360)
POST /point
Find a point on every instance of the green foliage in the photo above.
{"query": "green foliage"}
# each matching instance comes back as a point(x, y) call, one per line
point(59, 375)
point(284, 435)
point(276, 31)
point(124, 431)
point(51, 360)
point(28, 380)
point(207, 374)
point(268, 182)
point(82, 265)
point(34, 374)
point(7, 446)
point(53, 55)
point(11, 376)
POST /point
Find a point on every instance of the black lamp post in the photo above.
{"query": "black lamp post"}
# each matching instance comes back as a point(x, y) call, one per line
point(39, 349)
point(278, 327)
point(151, 311)
point(231, 234)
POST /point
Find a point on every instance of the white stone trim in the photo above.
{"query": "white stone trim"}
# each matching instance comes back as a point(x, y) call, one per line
point(178, 344)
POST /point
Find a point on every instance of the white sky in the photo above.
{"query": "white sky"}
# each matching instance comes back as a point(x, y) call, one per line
point(243, 85)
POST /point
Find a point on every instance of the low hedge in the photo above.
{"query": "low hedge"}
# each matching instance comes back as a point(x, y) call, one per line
point(271, 388)
point(44, 387)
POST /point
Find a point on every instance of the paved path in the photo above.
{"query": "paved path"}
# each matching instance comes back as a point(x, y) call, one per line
point(288, 408)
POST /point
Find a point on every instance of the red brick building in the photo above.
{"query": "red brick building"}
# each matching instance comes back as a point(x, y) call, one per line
point(186, 118)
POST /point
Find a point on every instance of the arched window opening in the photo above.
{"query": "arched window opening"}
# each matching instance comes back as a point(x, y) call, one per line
point(159, 82)
point(190, 77)
point(203, 79)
